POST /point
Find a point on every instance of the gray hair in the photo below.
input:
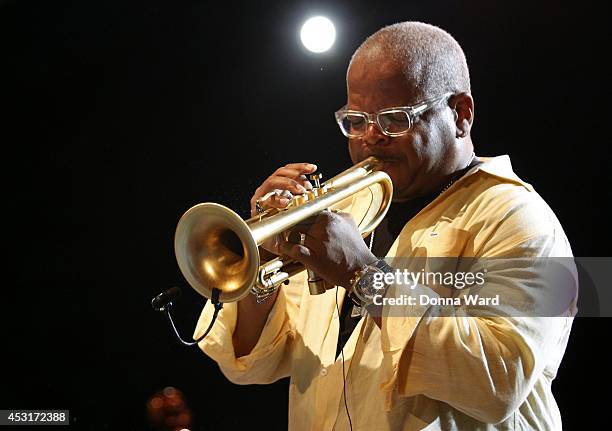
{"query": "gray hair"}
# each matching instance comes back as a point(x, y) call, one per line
point(430, 58)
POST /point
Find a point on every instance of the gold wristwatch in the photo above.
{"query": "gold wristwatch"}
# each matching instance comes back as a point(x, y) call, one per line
point(368, 282)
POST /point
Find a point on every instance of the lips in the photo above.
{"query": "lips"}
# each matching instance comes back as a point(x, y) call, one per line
point(382, 158)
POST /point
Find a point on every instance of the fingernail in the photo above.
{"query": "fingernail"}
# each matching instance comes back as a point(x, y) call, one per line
point(304, 251)
point(311, 166)
point(283, 201)
point(301, 189)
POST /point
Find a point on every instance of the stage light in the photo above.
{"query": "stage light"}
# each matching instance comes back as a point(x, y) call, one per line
point(318, 34)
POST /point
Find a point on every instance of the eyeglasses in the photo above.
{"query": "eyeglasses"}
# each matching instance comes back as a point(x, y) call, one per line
point(391, 121)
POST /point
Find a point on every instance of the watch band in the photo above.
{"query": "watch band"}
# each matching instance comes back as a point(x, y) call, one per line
point(382, 264)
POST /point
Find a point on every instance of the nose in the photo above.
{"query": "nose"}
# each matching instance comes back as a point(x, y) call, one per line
point(374, 136)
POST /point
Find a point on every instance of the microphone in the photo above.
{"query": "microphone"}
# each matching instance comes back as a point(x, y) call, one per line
point(161, 301)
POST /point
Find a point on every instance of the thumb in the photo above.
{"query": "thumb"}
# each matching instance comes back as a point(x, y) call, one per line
point(296, 251)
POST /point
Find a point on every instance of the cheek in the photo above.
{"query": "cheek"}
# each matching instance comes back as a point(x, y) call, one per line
point(354, 152)
point(424, 148)
point(409, 148)
point(400, 174)
point(437, 136)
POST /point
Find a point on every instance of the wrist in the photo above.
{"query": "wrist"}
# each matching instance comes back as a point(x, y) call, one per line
point(366, 259)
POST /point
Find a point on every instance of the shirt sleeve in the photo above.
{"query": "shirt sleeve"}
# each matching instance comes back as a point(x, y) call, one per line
point(270, 358)
point(486, 366)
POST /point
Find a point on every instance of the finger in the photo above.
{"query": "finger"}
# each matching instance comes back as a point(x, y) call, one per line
point(268, 188)
point(273, 201)
point(296, 252)
point(282, 183)
point(284, 171)
point(304, 168)
point(294, 174)
point(338, 215)
point(347, 217)
point(304, 181)
point(277, 201)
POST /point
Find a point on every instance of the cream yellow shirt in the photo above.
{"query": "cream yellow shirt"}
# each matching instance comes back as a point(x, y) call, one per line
point(420, 372)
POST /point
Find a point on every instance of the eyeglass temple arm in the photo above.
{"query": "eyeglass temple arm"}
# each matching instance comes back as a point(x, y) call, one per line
point(428, 104)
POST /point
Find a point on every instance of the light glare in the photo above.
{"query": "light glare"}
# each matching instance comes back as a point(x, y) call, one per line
point(318, 34)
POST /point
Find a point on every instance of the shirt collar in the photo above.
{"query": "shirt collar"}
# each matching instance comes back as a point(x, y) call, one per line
point(500, 167)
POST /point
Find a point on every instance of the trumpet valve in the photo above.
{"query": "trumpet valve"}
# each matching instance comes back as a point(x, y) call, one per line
point(318, 189)
point(300, 199)
point(317, 179)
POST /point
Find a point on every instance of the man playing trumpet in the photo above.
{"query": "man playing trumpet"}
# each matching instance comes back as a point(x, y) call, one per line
point(409, 104)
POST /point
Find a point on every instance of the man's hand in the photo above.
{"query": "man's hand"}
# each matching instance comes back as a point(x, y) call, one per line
point(333, 247)
point(284, 182)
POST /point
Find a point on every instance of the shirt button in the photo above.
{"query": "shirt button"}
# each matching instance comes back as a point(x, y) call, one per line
point(323, 372)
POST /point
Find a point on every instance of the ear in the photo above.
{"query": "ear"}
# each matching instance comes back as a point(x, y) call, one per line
point(462, 105)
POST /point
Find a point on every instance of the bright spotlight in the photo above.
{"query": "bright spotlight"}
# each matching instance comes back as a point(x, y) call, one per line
point(318, 34)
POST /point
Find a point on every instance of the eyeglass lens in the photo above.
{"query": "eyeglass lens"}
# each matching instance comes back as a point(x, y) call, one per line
point(394, 121)
point(390, 122)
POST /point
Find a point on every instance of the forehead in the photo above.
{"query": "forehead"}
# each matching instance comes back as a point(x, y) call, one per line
point(374, 85)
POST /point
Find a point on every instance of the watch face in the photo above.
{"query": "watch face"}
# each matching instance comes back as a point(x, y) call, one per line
point(365, 285)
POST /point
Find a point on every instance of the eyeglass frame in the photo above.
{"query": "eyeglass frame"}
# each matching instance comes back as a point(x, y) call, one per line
point(411, 112)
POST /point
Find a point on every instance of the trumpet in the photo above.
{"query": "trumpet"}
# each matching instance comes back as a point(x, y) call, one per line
point(217, 250)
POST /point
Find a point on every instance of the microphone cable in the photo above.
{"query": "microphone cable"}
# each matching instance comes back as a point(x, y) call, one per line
point(163, 302)
point(343, 376)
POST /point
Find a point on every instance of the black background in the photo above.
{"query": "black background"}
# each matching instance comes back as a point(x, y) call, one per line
point(121, 115)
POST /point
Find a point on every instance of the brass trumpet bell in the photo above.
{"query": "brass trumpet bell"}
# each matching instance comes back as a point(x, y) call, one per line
point(214, 247)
